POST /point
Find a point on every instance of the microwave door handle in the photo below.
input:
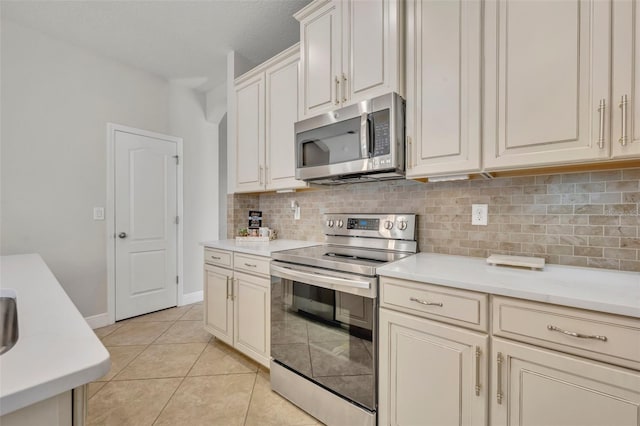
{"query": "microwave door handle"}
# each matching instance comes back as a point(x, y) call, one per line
point(364, 135)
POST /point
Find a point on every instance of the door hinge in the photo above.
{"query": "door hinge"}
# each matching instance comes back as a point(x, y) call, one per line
point(177, 220)
point(177, 279)
point(177, 157)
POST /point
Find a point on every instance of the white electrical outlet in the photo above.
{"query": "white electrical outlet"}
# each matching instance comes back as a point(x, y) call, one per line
point(479, 213)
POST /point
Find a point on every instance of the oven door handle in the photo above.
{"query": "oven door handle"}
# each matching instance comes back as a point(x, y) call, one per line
point(333, 283)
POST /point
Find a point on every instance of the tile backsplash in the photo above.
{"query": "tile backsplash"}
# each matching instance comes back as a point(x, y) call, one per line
point(583, 219)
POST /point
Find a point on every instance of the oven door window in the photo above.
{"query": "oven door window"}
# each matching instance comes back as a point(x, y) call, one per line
point(332, 144)
point(326, 336)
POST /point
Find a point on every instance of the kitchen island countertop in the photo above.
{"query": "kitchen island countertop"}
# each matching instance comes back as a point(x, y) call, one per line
point(260, 248)
point(604, 290)
point(56, 350)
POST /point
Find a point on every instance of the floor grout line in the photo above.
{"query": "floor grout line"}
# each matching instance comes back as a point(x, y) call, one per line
point(253, 388)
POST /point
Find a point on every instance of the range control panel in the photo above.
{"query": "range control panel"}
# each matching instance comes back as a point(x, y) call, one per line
point(393, 226)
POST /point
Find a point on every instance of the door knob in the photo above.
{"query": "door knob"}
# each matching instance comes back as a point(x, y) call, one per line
point(122, 235)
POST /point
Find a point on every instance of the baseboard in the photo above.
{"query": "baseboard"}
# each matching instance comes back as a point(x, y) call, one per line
point(189, 298)
point(97, 321)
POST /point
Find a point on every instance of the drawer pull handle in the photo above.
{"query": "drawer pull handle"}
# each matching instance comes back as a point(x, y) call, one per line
point(228, 292)
point(216, 257)
point(601, 109)
point(478, 353)
point(250, 265)
point(425, 302)
point(623, 106)
point(499, 394)
point(578, 335)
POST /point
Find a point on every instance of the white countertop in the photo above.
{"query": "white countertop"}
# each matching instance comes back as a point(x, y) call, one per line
point(56, 350)
point(259, 249)
point(615, 292)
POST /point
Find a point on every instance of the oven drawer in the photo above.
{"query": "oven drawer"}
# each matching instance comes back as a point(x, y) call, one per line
point(605, 337)
point(251, 264)
point(218, 257)
point(459, 307)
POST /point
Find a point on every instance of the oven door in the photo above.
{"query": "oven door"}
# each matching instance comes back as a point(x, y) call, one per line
point(324, 328)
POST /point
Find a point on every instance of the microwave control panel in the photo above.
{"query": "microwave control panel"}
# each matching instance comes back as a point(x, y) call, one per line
point(381, 133)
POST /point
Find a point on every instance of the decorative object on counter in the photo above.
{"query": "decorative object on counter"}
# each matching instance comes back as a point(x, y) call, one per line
point(255, 220)
point(263, 236)
point(243, 232)
point(519, 261)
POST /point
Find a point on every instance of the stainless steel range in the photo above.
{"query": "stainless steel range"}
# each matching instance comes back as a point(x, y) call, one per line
point(324, 315)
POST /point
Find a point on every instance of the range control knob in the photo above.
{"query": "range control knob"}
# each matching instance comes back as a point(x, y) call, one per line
point(388, 224)
point(402, 225)
point(330, 223)
point(340, 223)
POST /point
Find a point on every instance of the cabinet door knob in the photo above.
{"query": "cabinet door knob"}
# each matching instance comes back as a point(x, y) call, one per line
point(122, 235)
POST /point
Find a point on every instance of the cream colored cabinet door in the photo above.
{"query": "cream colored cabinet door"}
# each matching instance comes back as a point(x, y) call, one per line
point(625, 124)
point(532, 386)
point(250, 119)
point(371, 52)
point(218, 312)
point(320, 58)
point(546, 85)
point(252, 316)
point(430, 373)
point(443, 87)
point(281, 114)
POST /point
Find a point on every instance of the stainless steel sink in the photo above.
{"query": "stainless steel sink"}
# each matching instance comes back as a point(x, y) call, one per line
point(8, 320)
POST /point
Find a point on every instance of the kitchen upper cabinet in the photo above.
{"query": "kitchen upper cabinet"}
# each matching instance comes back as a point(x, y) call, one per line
point(250, 138)
point(625, 117)
point(431, 373)
point(533, 386)
point(546, 87)
point(443, 87)
point(350, 51)
point(266, 111)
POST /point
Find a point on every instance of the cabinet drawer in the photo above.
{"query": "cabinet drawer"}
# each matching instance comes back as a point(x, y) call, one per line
point(218, 257)
point(252, 264)
point(606, 337)
point(460, 307)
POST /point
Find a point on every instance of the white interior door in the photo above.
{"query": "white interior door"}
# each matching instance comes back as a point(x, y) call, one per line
point(145, 224)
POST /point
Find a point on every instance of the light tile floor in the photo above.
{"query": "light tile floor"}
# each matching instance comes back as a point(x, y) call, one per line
point(166, 370)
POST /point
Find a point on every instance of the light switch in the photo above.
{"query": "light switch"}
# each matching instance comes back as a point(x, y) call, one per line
point(98, 213)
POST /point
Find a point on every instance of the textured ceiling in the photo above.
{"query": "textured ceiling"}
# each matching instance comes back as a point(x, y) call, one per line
point(176, 39)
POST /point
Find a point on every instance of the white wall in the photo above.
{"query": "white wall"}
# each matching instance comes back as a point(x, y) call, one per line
point(200, 173)
point(56, 101)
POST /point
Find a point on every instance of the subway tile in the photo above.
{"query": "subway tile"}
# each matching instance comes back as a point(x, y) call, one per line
point(588, 209)
point(621, 253)
point(606, 175)
point(560, 229)
point(546, 239)
point(590, 187)
point(588, 230)
point(587, 251)
point(573, 260)
point(548, 179)
point(604, 220)
point(575, 199)
point(560, 209)
point(606, 198)
point(510, 246)
point(548, 219)
point(574, 240)
point(631, 174)
point(564, 188)
point(510, 209)
point(599, 262)
point(574, 219)
point(629, 265)
point(533, 248)
point(522, 219)
point(523, 180)
point(620, 231)
point(604, 242)
point(621, 209)
point(559, 250)
point(478, 253)
point(630, 197)
point(548, 199)
point(633, 243)
point(575, 178)
point(521, 238)
point(622, 186)
point(511, 227)
point(533, 209)
point(535, 189)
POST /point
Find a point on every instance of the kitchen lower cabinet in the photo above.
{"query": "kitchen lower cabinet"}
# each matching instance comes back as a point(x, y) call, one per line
point(237, 301)
point(431, 373)
point(66, 409)
point(535, 386)
point(218, 313)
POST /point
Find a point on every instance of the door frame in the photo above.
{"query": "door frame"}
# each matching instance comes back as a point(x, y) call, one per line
point(112, 128)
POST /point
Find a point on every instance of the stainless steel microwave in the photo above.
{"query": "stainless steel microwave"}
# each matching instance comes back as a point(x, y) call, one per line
point(358, 143)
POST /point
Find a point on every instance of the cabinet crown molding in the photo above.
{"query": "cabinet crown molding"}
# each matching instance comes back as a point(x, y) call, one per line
point(288, 52)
